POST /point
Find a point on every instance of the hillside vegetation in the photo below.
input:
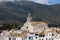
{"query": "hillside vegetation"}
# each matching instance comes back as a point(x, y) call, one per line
point(16, 12)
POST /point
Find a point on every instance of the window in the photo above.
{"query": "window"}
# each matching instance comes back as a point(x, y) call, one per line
point(27, 27)
point(36, 37)
point(49, 35)
point(30, 38)
point(25, 37)
point(52, 34)
point(41, 35)
point(42, 39)
point(52, 39)
point(49, 39)
point(39, 39)
point(9, 38)
point(36, 34)
point(46, 39)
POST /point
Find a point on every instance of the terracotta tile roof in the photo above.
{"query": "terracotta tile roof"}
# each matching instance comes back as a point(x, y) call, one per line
point(33, 22)
point(18, 33)
point(38, 24)
point(58, 32)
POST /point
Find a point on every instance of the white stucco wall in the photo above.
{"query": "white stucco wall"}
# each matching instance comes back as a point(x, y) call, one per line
point(18, 38)
point(5, 38)
point(56, 38)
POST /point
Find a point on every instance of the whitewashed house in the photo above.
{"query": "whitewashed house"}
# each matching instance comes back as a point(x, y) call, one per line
point(5, 35)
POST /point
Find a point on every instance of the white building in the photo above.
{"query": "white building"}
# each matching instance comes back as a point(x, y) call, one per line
point(33, 26)
point(5, 35)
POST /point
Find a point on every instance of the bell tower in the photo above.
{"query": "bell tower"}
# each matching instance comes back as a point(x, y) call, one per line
point(29, 18)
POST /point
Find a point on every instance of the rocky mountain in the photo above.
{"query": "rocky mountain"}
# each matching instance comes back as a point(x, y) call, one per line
point(16, 12)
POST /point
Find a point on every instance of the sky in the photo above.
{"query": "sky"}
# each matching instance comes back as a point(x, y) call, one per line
point(48, 2)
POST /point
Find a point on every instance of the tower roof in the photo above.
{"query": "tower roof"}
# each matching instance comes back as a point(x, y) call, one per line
point(29, 15)
point(29, 18)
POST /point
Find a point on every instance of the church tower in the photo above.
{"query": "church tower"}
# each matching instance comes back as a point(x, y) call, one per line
point(29, 18)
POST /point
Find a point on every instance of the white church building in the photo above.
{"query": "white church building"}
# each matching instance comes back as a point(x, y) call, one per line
point(33, 26)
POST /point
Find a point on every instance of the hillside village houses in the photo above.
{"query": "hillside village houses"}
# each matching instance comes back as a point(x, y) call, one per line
point(32, 30)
